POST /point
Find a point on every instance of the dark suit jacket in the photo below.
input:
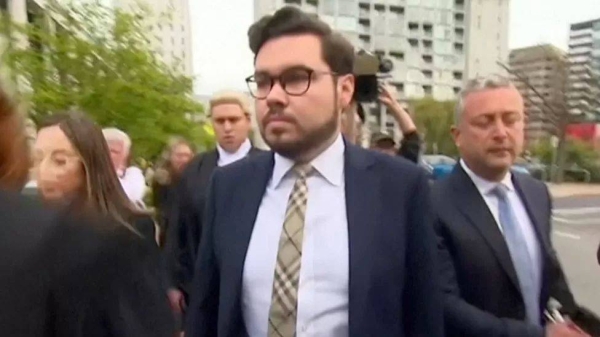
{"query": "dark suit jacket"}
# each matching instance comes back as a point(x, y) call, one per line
point(393, 289)
point(145, 226)
point(186, 216)
point(482, 295)
point(69, 278)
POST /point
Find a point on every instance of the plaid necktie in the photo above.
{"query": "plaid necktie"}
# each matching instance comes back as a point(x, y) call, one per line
point(284, 300)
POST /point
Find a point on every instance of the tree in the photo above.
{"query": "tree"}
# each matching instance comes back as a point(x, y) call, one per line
point(99, 60)
point(435, 118)
point(572, 95)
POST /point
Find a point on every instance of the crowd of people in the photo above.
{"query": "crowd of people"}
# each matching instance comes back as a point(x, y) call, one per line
point(318, 236)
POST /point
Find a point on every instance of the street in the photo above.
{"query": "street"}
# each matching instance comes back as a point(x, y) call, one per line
point(576, 236)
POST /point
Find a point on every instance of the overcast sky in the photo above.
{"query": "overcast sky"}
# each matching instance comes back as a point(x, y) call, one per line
point(222, 58)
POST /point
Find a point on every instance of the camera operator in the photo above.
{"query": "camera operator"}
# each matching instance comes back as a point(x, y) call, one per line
point(410, 145)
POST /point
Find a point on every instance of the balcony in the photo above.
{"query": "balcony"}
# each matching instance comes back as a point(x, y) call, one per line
point(428, 90)
point(458, 48)
point(428, 30)
point(459, 33)
point(459, 19)
point(399, 10)
point(459, 5)
point(397, 55)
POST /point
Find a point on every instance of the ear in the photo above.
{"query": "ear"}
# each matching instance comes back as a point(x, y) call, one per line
point(455, 132)
point(345, 90)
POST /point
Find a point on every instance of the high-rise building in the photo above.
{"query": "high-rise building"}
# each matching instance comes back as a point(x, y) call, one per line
point(434, 44)
point(172, 30)
point(487, 36)
point(584, 60)
point(540, 74)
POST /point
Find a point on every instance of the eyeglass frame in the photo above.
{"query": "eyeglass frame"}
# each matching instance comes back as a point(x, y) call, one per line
point(275, 79)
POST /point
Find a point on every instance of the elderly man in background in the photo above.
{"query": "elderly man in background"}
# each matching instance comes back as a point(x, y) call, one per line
point(131, 177)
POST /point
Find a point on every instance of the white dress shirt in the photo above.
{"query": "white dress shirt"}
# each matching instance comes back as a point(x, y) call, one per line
point(226, 158)
point(486, 187)
point(324, 272)
point(134, 184)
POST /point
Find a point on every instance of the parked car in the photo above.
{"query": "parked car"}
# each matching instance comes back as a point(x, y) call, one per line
point(443, 165)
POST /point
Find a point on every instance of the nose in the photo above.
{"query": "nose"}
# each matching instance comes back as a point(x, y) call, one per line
point(44, 173)
point(277, 96)
point(227, 126)
point(500, 130)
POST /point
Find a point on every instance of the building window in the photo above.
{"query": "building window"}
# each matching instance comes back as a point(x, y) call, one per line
point(478, 21)
point(428, 90)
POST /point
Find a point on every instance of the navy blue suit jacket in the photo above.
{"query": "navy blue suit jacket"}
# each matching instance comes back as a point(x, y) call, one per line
point(393, 288)
point(482, 293)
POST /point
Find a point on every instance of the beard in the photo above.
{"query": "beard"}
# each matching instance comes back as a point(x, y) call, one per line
point(306, 141)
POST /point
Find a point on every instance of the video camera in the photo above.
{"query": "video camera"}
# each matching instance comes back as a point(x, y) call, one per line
point(367, 70)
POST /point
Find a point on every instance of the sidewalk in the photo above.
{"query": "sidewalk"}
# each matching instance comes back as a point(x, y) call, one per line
point(573, 189)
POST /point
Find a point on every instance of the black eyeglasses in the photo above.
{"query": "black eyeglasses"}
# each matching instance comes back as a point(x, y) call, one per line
point(294, 81)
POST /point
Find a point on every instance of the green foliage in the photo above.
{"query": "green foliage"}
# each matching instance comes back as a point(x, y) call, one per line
point(579, 155)
point(99, 60)
point(434, 119)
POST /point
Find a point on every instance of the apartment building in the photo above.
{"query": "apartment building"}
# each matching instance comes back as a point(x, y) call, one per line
point(540, 73)
point(584, 61)
point(435, 45)
point(172, 30)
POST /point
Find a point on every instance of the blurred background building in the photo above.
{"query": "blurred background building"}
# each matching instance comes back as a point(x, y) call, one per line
point(540, 72)
point(172, 31)
point(584, 60)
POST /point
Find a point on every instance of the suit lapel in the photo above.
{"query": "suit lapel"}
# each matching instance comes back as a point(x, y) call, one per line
point(361, 187)
point(254, 151)
point(248, 199)
point(471, 204)
point(208, 165)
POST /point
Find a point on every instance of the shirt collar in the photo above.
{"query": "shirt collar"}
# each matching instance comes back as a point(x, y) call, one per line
point(242, 150)
point(484, 186)
point(329, 164)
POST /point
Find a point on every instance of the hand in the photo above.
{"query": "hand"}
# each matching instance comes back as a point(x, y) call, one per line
point(388, 95)
point(566, 329)
point(177, 300)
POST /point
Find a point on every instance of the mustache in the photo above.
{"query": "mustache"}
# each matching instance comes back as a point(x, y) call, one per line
point(278, 115)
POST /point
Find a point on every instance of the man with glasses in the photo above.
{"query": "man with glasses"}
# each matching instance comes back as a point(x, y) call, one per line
point(318, 237)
